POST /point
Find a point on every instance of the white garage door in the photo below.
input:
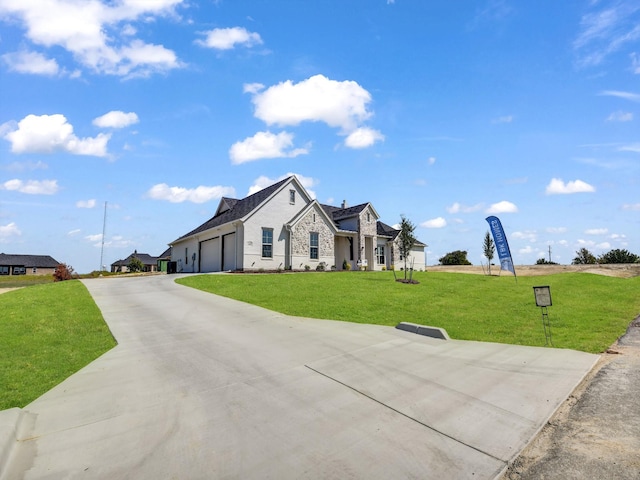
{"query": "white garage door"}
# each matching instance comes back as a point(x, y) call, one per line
point(229, 252)
point(210, 255)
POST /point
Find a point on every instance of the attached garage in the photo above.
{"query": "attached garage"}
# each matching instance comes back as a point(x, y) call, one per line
point(229, 252)
point(210, 255)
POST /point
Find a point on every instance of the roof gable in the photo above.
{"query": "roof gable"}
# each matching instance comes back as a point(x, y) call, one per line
point(239, 209)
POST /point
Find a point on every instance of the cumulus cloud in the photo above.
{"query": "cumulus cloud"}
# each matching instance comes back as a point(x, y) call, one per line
point(8, 231)
point(556, 230)
point(634, 207)
point(263, 182)
point(460, 208)
point(504, 119)
point(265, 145)
point(116, 119)
point(596, 231)
point(228, 38)
point(620, 116)
point(316, 99)
point(529, 236)
point(86, 203)
point(363, 137)
point(558, 187)
point(53, 133)
point(98, 34)
point(31, 62)
point(200, 194)
point(438, 222)
point(502, 207)
point(31, 187)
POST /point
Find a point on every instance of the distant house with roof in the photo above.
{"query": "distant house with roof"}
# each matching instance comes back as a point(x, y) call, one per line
point(282, 227)
point(150, 263)
point(27, 264)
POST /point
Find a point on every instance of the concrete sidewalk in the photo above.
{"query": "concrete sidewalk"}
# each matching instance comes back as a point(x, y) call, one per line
point(201, 386)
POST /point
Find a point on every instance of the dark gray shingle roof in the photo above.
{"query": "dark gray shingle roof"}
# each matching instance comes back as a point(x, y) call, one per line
point(239, 208)
point(28, 261)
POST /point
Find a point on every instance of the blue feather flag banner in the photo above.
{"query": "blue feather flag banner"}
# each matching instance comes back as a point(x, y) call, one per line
point(500, 239)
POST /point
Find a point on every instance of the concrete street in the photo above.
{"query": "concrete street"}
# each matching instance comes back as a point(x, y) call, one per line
point(203, 387)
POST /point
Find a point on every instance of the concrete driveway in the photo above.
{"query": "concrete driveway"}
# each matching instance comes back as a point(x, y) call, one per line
point(203, 387)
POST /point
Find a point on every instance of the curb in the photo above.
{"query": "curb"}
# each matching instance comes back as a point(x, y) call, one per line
point(433, 332)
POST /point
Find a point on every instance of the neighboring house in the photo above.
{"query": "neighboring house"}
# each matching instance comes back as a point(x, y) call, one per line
point(163, 260)
point(282, 227)
point(27, 264)
point(150, 263)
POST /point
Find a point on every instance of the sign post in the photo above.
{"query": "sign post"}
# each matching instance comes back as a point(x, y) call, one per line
point(543, 300)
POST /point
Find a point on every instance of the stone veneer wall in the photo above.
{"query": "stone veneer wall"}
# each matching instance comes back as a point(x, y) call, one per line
point(300, 237)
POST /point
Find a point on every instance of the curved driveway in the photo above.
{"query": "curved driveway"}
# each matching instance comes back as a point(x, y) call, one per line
point(203, 387)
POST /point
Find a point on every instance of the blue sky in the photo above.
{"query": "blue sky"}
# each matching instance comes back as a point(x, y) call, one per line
point(445, 112)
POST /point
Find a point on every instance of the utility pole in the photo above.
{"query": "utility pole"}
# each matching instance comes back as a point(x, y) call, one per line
point(104, 228)
point(549, 253)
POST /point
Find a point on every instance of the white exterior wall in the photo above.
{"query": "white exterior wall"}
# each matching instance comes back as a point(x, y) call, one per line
point(185, 264)
point(274, 214)
point(417, 255)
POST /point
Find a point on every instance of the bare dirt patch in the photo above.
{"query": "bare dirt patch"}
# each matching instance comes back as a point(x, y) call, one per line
point(612, 270)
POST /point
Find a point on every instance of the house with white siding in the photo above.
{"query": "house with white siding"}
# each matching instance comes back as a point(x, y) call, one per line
point(282, 228)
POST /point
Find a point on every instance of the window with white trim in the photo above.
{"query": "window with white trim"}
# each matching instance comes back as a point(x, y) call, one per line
point(267, 243)
point(292, 197)
point(313, 245)
point(380, 254)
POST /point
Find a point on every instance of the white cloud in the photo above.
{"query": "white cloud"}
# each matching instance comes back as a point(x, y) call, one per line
point(556, 230)
point(634, 207)
point(431, 160)
point(9, 230)
point(94, 238)
point(263, 182)
point(264, 145)
point(31, 187)
point(228, 38)
point(527, 235)
point(504, 119)
point(316, 99)
point(632, 147)
point(634, 97)
point(502, 207)
point(86, 203)
point(200, 194)
point(52, 133)
point(31, 62)
point(526, 250)
point(620, 116)
point(438, 222)
point(73, 233)
point(116, 119)
point(98, 34)
point(606, 31)
point(460, 208)
point(363, 137)
point(596, 231)
point(558, 187)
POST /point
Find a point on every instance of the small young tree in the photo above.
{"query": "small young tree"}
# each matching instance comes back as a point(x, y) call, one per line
point(63, 272)
point(488, 248)
point(135, 265)
point(406, 240)
point(584, 257)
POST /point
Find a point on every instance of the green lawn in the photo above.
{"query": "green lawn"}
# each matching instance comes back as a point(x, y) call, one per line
point(48, 331)
point(589, 312)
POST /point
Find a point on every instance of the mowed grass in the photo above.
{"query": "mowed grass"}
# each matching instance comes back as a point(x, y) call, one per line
point(589, 312)
point(48, 332)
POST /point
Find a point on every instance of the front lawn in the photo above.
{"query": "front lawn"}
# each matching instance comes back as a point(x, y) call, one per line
point(589, 312)
point(48, 332)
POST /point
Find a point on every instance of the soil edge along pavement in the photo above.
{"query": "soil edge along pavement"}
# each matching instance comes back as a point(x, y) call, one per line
point(595, 434)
